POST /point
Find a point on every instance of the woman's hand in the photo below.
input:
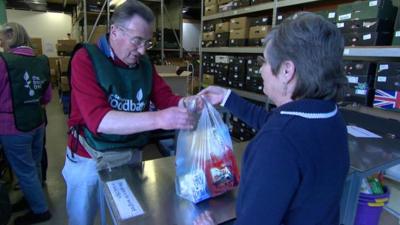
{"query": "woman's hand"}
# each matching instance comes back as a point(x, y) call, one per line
point(214, 94)
point(204, 219)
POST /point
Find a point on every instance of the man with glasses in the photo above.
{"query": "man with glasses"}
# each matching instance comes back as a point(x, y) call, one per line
point(112, 85)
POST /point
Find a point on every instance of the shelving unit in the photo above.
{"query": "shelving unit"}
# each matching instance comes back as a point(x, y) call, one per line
point(359, 53)
point(85, 18)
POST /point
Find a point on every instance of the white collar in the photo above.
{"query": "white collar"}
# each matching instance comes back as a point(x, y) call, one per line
point(311, 115)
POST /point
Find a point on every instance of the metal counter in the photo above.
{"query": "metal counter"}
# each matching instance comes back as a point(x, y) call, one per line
point(153, 185)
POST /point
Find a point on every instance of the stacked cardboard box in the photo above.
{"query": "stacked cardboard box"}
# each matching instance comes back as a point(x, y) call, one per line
point(210, 7)
point(237, 72)
point(98, 32)
point(239, 31)
point(65, 47)
point(366, 23)
point(254, 82)
point(221, 70)
point(360, 76)
point(53, 63)
point(37, 46)
point(221, 34)
point(240, 130)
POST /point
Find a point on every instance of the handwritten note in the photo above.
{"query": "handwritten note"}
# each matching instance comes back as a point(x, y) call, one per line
point(126, 202)
point(361, 132)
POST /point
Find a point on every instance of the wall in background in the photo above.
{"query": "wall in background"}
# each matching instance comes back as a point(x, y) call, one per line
point(191, 35)
point(46, 25)
point(3, 15)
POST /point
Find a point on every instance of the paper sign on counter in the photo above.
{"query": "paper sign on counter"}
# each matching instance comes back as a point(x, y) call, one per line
point(126, 202)
point(361, 132)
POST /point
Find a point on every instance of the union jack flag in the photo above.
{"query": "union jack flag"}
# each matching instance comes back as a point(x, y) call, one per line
point(387, 99)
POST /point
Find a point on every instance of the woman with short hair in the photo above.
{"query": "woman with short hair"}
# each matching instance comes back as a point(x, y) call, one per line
point(24, 90)
point(294, 169)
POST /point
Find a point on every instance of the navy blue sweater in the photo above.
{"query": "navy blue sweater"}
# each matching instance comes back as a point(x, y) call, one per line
point(294, 169)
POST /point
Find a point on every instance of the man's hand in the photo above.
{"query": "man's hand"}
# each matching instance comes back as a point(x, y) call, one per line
point(214, 94)
point(204, 219)
point(174, 118)
point(193, 103)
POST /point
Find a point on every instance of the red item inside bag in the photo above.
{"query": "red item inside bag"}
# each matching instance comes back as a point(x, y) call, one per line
point(222, 172)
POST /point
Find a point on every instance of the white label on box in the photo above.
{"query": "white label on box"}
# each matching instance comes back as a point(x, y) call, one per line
point(382, 79)
point(264, 19)
point(222, 59)
point(367, 37)
point(346, 51)
point(352, 79)
point(345, 16)
point(331, 15)
point(373, 3)
point(340, 25)
point(361, 132)
point(280, 17)
point(127, 204)
point(397, 34)
point(383, 67)
point(361, 91)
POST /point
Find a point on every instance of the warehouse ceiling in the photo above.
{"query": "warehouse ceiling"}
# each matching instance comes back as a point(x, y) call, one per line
point(42, 5)
point(191, 8)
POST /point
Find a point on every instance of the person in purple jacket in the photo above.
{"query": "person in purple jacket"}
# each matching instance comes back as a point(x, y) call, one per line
point(24, 91)
point(294, 169)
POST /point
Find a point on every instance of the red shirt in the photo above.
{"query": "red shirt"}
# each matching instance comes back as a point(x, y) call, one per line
point(89, 102)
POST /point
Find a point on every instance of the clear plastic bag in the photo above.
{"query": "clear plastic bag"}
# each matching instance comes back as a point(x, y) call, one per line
point(205, 164)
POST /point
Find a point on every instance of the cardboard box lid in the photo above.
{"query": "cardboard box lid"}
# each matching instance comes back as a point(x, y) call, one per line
point(222, 27)
point(259, 31)
point(209, 36)
point(239, 22)
point(238, 34)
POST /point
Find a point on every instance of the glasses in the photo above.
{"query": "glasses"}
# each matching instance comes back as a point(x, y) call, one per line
point(260, 60)
point(136, 41)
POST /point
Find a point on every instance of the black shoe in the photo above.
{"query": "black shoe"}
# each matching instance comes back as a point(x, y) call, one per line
point(31, 218)
point(20, 205)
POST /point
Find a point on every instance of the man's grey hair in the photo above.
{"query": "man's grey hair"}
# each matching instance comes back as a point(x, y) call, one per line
point(315, 46)
point(130, 8)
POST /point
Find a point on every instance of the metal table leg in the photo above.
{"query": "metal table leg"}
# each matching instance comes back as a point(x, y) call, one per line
point(349, 200)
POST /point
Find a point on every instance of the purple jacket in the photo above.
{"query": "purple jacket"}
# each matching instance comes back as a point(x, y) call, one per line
point(7, 124)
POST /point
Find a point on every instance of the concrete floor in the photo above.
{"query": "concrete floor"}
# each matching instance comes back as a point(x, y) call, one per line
point(55, 186)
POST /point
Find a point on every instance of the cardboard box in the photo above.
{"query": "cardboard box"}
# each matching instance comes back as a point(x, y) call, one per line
point(65, 47)
point(259, 31)
point(207, 27)
point(255, 2)
point(63, 63)
point(259, 21)
point(98, 32)
point(64, 84)
point(221, 2)
point(221, 39)
point(368, 25)
point(240, 3)
point(239, 23)
point(367, 39)
point(210, 10)
point(225, 7)
point(361, 10)
point(238, 34)
point(210, 2)
point(222, 27)
point(208, 79)
point(37, 46)
point(209, 36)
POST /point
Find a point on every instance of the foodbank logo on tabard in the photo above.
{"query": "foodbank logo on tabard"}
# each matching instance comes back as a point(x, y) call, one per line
point(127, 105)
point(32, 83)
